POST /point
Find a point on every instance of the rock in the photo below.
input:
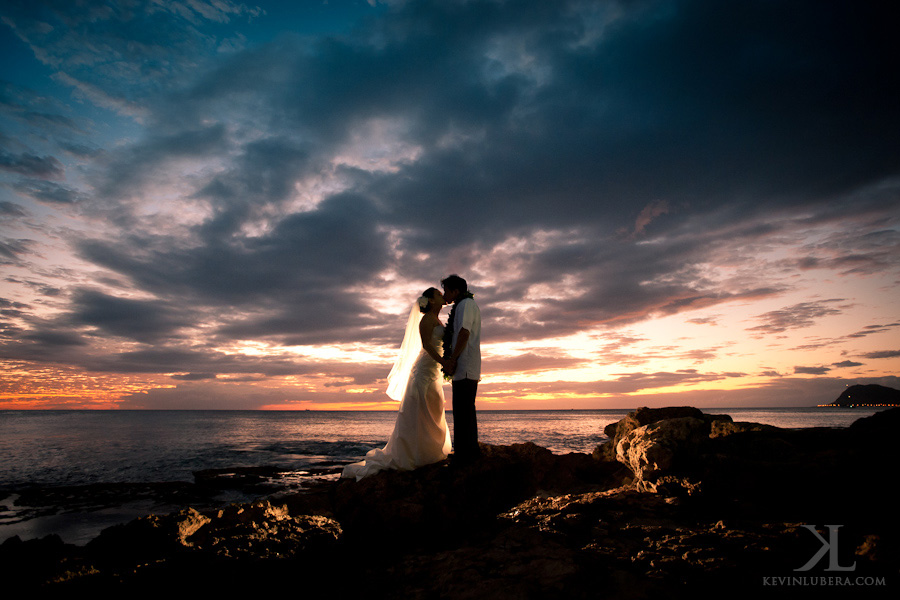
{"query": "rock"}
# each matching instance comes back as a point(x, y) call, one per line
point(147, 538)
point(265, 531)
point(27, 565)
point(645, 416)
point(220, 551)
point(879, 424)
point(525, 523)
point(397, 505)
point(720, 428)
point(659, 446)
point(654, 449)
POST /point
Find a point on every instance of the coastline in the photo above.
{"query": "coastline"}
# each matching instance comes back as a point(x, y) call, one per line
point(78, 508)
point(688, 501)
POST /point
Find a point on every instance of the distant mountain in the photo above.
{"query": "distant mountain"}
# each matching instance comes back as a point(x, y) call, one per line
point(868, 395)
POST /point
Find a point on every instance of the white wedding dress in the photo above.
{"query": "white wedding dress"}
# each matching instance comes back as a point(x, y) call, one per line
point(420, 436)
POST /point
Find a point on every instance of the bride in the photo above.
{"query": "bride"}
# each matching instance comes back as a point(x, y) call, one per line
point(420, 436)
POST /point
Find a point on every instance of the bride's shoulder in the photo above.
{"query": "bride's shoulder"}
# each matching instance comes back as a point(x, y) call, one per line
point(429, 322)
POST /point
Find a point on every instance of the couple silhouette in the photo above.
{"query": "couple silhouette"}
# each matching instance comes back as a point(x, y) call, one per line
point(430, 348)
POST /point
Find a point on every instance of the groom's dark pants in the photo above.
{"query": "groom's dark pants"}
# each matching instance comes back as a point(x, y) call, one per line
point(465, 427)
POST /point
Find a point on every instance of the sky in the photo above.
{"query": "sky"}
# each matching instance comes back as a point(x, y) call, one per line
point(223, 205)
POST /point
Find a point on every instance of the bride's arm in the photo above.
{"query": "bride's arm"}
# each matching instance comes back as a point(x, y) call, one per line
point(426, 326)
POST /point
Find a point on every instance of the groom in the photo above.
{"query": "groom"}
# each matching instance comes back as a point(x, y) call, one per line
point(462, 347)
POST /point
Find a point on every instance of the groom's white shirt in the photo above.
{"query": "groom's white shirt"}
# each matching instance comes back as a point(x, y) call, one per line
point(468, 316)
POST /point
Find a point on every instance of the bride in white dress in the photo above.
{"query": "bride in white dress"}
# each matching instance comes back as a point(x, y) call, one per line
point(420, 436)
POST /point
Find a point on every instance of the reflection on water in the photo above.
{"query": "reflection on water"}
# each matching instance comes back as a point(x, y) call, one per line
point(82, 447)
point(56, 448)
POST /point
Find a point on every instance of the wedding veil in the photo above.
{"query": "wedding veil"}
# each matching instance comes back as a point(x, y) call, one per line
point(409, 351)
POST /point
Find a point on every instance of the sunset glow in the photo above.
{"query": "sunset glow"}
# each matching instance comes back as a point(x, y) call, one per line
point(233, 206)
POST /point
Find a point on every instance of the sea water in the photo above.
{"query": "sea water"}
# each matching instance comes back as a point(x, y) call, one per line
point(84, 447)
point(45, 449)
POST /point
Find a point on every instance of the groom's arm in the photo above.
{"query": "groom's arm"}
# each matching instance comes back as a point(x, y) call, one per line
point(461, 340)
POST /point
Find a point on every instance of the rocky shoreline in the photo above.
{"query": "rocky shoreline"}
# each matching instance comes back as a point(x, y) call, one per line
point(676, 503)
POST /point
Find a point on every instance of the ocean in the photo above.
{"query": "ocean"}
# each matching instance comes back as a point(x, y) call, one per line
point(48, 449)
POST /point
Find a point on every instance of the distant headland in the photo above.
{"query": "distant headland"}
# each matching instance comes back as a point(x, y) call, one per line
point(867, 395)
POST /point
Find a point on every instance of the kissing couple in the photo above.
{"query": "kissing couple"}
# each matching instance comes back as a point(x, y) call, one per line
point(421, 436)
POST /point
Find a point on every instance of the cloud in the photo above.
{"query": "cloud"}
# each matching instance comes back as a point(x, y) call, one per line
point(531, 361)
point(708, 320)
point(48, 192)
point(12, 250)
point(882, 354)
point(199, 396)
point(650, 212)
point(41, 167)
point(139, 320)
point(120, 51)
point(586, 166)
point(811, 370)
point(622, 383)
point(798, 316)
point(49, 339)
point(11, 210)
point(293, 283)
point(847, 363)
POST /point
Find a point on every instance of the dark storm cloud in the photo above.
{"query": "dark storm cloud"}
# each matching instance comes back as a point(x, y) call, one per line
point(48, 192)
point(587, 126)
point(81, 150)
point(140, 320)
point(131, 169)
point(70, 340)
point(55, 339)
point(119, 52)
point(11, 251)
point(854, 252)
point(29, 165)
point(621, 282)
point(194, 376)
point(306, 253)
point(264, 174)
point(625, 145)
point(11, 210)
point(684, 101)
point(290, 284)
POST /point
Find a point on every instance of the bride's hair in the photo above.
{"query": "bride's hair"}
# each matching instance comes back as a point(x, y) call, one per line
point(429, 293)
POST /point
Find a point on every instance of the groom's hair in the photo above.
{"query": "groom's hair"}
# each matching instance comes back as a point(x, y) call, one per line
point(455, 282)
